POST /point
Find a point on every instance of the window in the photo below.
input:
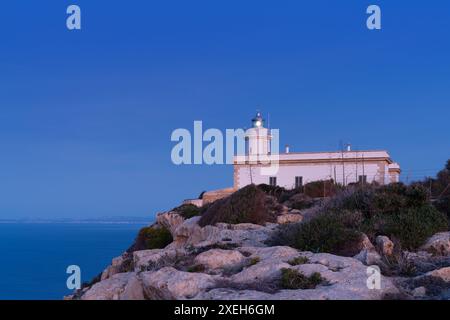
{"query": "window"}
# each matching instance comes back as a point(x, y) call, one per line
point(362, 179)
point(298, 182)
point(273, 181)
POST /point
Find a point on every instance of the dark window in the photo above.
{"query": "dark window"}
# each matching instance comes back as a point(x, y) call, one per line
point(273, 181)
point(362, 179)
point(298, 182)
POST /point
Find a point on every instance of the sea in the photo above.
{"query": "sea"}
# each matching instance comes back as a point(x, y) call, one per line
point(34, 256)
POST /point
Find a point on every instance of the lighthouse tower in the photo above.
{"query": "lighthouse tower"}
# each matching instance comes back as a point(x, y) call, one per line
point(257, 138)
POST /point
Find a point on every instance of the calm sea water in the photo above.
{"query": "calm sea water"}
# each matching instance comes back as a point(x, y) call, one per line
point(34, 257)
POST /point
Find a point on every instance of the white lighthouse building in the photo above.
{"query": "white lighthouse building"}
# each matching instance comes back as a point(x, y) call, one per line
point(261, 164)
point(293, 169)
point(257, 139)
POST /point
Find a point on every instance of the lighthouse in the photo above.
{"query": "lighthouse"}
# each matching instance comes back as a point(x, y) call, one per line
point(257, 139)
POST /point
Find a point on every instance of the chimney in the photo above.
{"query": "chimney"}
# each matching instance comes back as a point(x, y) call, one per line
point(287, 148)
point(349, 147)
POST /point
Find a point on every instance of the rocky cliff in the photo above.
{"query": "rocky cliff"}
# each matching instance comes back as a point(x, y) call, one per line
point(236, 261)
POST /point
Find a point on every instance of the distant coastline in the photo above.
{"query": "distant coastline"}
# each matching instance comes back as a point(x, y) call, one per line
point(100, 220)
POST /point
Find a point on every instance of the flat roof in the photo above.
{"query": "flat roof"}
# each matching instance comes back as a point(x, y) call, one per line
point(328, 155)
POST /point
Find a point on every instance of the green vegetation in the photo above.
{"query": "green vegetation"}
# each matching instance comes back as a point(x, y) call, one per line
point(254, 261)
point(439, 188)
point(196, 268)
point(247, 205)
point(320, 189)
point(292, 279)
point(188, 210)
point(297, 261)
point(153, 238)
point(400, 212)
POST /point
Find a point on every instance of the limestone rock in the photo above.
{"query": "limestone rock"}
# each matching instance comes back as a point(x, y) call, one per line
point(170, 220)
point(114, 268)
point(276, 253)
point(419, 292)
point(121, 286)
point(266, 271)
point(155, 258)
point(190, 233)
point(169, 283)
point(346, 278)
point(369, 257)
point(385, 245)
point(439, 244)
point(219, 259)
point(289, 218)
point(443, 273)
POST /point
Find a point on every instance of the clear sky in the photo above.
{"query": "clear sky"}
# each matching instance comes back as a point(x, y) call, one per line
point(86, 116)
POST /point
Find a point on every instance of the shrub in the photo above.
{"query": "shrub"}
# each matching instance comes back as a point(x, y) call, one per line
point(280, 193)
point(443, 205)
point(253, 261)
point(320, 189)
point(196, 268)
point(412, 226)
point(299, 260)
point(188, 211)
point(292, 279)
point(152, 238)
point(247, 205)
point(334, 233)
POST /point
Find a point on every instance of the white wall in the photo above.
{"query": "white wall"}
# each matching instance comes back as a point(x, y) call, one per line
point(313, 172)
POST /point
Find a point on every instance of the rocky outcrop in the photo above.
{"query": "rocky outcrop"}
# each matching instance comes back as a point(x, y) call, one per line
point(155, 258)
point(189, 233)
point(289, 218)
point(385, 245)
point(225, 261)
point(169, 283)
point(219, 259)
point(345, 279)
point(170, 220)
point(121, 286)
point(114, 268)
point(439, 244)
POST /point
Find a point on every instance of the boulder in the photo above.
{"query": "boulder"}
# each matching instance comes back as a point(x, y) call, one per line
point(419, 292)
point(289, 218)
point(219, 259)
point(345, 279)
point(189, 233)
point(385, 245)
point(276, 253)
point(144, 260)
point(261, 272)
point(369, 257)
point(170, 220)
point(443, 273)
point(121, 286)
point(268, 268)
point(439, 244)
point(169, 283)
point(114, 268)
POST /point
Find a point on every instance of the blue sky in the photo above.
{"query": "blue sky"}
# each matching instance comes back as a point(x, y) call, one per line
point(86, 116)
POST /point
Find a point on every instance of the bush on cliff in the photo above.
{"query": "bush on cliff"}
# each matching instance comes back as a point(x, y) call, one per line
point(247, 205)
point(294, 280)
point(188, 211)
point(334, 233)
point(151, 238)
point(320, 189)
point(397, 211)
point(411, 227)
